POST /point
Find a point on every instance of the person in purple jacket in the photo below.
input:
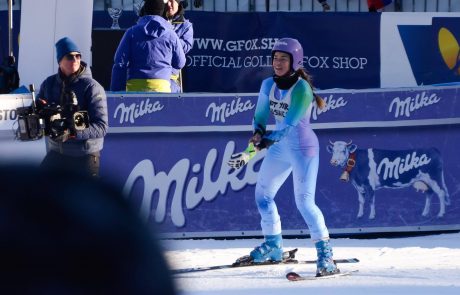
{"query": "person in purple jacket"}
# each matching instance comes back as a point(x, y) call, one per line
point(73, 85)
point(147, 53)
point(174, 13)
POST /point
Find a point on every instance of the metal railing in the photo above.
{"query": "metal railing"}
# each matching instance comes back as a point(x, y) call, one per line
point(284, 5)
point(315, 6)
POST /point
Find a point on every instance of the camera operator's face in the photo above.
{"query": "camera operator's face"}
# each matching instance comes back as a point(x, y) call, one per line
point(70, 63)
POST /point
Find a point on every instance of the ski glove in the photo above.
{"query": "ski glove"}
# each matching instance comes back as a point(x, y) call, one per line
point(265, 143)
point(240, 159)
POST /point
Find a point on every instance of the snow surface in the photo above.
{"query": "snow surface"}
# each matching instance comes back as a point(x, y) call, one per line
point(412, 265)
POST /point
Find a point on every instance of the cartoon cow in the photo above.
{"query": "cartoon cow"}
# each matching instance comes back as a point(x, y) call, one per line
point(372, 169)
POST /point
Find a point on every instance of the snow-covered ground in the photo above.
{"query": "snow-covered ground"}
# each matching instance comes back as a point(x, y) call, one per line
point(411, 265)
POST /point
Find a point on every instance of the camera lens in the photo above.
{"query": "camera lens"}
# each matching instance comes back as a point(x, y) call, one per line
point(80, 121)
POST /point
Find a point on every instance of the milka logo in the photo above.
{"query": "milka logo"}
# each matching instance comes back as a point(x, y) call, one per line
point(331, 104)
point(136, 110)
point(225, 110)
point(189, 191)
point(393, 169)
point(407, 106)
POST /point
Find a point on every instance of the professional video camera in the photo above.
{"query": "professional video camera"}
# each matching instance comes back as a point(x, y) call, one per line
point(51, 120)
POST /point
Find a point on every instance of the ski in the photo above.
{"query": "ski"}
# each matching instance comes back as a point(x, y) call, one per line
point(244, 261)
point(288, 258)
point(294, 277)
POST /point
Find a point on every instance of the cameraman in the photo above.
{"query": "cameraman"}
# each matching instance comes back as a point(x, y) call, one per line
point(73, 85)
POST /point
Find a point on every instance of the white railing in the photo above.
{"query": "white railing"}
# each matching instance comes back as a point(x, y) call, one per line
point(285, 5)
point(335, 5)
point(299, 5)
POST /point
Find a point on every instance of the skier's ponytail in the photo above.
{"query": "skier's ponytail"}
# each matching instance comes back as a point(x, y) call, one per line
point(319, 100)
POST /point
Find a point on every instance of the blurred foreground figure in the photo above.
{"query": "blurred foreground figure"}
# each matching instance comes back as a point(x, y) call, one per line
point(62, 233)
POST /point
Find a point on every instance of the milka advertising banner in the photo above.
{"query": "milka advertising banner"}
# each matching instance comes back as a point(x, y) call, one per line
point(388, 162)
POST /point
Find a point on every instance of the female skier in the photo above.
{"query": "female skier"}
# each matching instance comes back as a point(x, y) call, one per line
point(292, 147)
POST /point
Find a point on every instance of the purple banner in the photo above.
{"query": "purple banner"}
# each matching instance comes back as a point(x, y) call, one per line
point(234, 110)
point(191, 110)
point(169, 156)
point(238, 54)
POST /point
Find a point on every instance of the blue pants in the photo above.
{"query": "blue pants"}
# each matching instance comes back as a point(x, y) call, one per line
point(279, 162)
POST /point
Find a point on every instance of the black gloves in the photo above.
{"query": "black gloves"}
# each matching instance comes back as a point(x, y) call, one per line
point(264, 143)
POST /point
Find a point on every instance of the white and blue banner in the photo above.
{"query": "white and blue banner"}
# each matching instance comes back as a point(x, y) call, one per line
point(169, 154)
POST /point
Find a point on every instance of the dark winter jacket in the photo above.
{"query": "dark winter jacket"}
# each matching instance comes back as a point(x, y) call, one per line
point(91, 98)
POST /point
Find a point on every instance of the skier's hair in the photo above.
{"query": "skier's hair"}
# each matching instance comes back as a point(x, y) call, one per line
point(307, 77)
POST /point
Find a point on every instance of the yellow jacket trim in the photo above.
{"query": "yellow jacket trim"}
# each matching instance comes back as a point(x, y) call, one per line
point(148, 85)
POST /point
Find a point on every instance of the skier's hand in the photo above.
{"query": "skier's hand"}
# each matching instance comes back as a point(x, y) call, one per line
point(256, 138)
point(238, 160)
point(265, 143)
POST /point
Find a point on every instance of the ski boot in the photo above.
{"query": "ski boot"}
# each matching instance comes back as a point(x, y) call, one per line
point(325, 264)
point(270, 250)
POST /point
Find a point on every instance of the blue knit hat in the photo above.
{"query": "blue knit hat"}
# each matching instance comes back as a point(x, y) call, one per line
point(65, 46)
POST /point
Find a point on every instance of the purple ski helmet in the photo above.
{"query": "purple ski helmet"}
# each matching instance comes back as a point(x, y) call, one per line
point(293, 48)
